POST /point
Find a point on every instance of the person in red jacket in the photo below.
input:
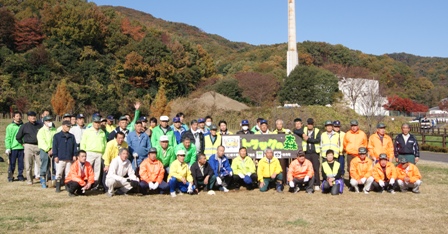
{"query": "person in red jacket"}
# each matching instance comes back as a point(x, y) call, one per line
point(408, 176)
point(384, 175)
point(301, 174)
point(152, 173)
point(81, 177)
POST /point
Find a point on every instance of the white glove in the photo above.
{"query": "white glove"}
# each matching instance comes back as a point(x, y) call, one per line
point(248, 174)
point(135, 155)
point(231, 173)
point(291, 184)
point(392, 181)
point(241, 175)
point(306, 179)
point(190, 188)
point(8, 152)
point(151, 185)
point(218, 180)
point(363, 180)
point(381, 183)
point(156, 185)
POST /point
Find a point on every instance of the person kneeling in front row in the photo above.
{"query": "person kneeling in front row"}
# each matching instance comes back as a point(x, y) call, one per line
point(180, 179)
point(361, 171)
point(81, 177)
point(301, 174)
point(384, 174)
point(408, 176)
point(152, 173)
point(332, 175)
point(269, 171)
point(118, 169)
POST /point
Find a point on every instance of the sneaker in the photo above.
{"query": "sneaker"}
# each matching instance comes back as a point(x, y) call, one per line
point(21, 179)
point(416, 191)
point(71, 195)
point(316, 188)
point(365, 191)
point(224, 189)
point(392, 191)
point(10, 179)
point(309, 192)
point(29, 183)
point(173, 194)
point(109, 194)
point(211, 192)
point(356, 189)
point(121, 192)
point(296, 189)
point(279, 189)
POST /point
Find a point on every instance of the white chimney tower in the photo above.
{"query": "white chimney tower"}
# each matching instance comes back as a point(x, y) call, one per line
point(292, 55)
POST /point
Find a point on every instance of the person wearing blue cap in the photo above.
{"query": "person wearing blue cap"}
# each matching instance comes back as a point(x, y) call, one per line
point(178, 129)
point(202, 127)
point(27, 136)
point(263, 128)
point(244, 128)
point(244, 170)
point(181, 117)
point(110, 123)
point(196, 136)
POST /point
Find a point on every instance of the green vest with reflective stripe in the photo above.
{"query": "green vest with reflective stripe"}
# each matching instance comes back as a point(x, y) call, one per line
point(304, 143)
point(327, 170)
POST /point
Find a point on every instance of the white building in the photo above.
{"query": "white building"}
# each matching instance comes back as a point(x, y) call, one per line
point(363, 96)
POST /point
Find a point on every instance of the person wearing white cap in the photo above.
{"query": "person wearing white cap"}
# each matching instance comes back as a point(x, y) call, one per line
point(163, 129)
point(180, 178)
point(165, 153)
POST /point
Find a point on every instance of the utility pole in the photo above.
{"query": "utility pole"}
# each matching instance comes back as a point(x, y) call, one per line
point(292, 55)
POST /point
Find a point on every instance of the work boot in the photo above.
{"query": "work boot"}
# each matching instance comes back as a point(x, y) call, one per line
point(43, 182)
point(279, 188)
point(58, 186)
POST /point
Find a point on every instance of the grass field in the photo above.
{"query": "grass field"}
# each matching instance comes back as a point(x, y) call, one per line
point(25, 209)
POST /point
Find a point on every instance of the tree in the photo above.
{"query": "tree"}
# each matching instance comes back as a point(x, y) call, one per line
point(160, 106)
point(404, 105)
point(443, 104)
point(61, 100)
point(258, 88)
point(28, 34)
point(7, 21)
point(309, 86)
point(229, 87)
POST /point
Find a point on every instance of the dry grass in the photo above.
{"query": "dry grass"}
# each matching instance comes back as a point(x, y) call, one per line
point(29, 208)
point(25, 209)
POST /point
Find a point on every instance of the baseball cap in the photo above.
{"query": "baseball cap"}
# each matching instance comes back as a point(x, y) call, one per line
point(80, 116)
point(176, 120)
point(245, 122)
point(354, 123)
point(163, 138)
point(143, 119)
point(48, 118)
point(362, 150)
point(383, 156)
point(180, 152)
point(110, 117)
point(152, 150)
point(328, 122)
point(103, 120)
point(380, 125)
point(337, 123)
point(263, 121)
point(96, 119)
point(66, 115)
point(123, 118)
point(201, 120)
point(310, 121)
point(300, 153)
point(164, 118)
point(31, 113)
point(402, 160)
point(213, 127)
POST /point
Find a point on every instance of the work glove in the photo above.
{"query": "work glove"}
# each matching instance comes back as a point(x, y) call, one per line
point(248, 174)
point(8, 152)
point(135, 155)
point(219, 180)
point(151, 185)
point(381, 183)
point(241, 175)
point(190, 189)
point(306, 179)
point(291, 184)
point(231, 173)
point(392, 181)
point(156, 185)
point(363, 180)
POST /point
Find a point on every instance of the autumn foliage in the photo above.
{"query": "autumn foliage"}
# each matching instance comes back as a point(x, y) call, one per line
point(61, 100)
point(258, 88)
point(160, 106)
point(28, 34)
point(405, 105)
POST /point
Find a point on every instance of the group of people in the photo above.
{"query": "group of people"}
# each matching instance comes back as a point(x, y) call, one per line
point(148, 157)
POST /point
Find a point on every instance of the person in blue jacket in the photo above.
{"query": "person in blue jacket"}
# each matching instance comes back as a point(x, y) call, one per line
point(64, 152)
point(139, 144)
point(221, 169)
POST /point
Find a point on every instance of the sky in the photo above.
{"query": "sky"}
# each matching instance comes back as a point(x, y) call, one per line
point(374, 27)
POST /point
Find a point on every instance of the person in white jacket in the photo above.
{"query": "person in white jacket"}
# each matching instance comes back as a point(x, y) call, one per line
point(120, 167)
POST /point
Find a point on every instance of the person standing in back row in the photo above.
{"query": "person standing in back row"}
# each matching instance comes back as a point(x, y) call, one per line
point(27, 135)
point(14, 149)
point(406, 146)
point(353, 140)
point(311, 146)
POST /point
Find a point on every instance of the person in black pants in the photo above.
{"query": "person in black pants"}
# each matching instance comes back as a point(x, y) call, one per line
point(311, 146)
point(203, 176)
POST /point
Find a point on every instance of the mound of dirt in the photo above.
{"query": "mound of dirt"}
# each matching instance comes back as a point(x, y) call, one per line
point(218, 101)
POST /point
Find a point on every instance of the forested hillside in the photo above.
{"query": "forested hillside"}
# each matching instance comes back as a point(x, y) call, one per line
point(106, 57)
